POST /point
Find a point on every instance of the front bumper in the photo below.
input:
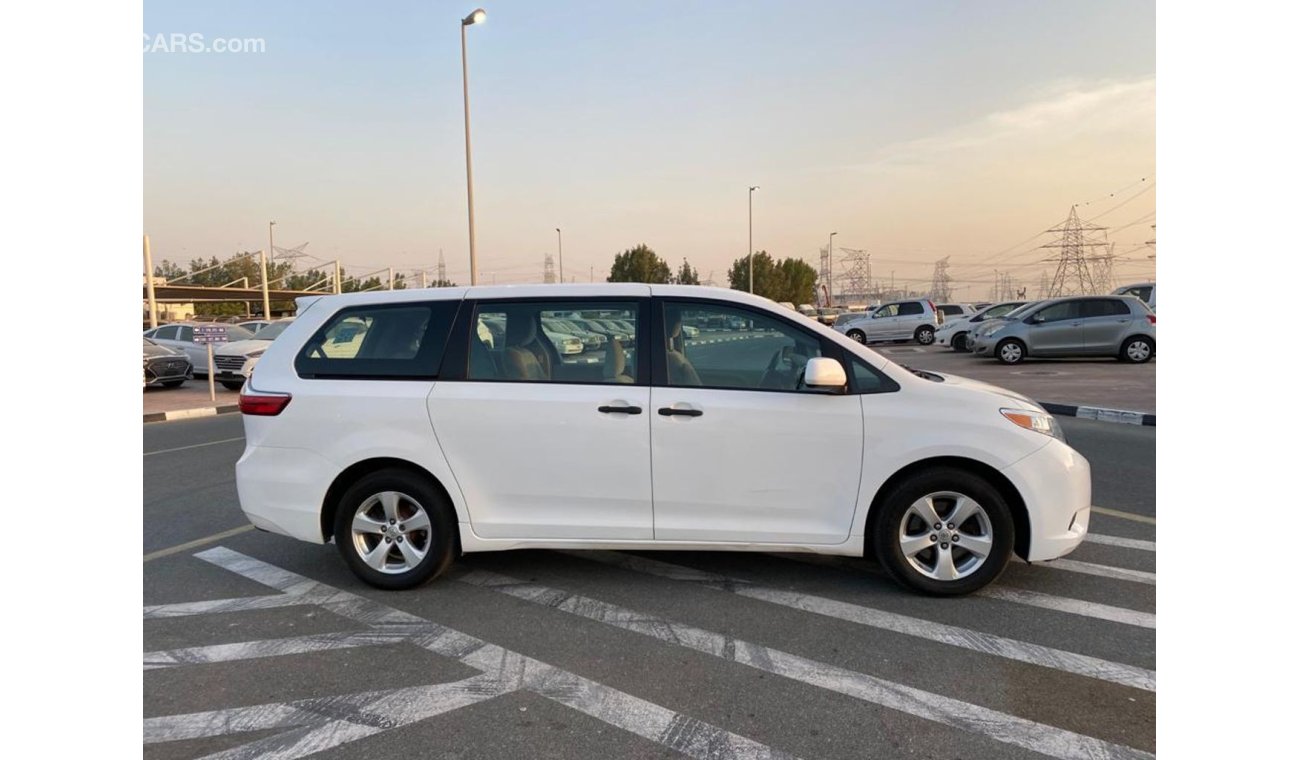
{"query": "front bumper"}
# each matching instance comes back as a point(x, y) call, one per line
point(1055, 483)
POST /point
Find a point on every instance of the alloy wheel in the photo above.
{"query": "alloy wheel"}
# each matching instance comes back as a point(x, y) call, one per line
point(945, 536)
point(391, 532)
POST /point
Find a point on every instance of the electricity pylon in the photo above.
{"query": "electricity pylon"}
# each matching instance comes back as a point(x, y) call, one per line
point(1076, 261)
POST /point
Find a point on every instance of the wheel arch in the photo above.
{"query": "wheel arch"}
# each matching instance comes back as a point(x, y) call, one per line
point(1008, 491)
point(357, 471)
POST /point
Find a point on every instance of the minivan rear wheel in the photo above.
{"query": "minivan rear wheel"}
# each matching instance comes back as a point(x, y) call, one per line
point(945, 532)
point(394, 529)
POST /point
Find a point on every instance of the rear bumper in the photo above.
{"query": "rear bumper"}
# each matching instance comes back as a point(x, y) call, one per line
point(282, 490)
point(1056, 485)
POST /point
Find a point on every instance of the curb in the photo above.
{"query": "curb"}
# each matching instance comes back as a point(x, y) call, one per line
point(1100, 414)
point(182, 414)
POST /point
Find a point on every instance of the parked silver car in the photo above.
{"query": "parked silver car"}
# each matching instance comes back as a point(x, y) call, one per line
point(955, 331)
point(1119, 326)
point(913, 319)
point(180, 336)
point(234, 360)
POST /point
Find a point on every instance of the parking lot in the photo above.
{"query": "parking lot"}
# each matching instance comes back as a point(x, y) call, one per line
point(256, 645)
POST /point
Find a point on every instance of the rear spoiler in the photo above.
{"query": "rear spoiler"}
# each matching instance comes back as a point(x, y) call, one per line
point(304, 303)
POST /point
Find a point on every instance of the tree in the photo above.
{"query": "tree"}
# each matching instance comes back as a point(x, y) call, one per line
point(687, 275)
point(640, 264)
point(790, 279)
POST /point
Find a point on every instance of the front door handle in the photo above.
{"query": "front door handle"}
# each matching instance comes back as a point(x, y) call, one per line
point(619, 409)
point(668, 411)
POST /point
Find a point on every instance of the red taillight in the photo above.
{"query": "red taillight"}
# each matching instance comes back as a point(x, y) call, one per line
point(1151, 318)
point(263, 406)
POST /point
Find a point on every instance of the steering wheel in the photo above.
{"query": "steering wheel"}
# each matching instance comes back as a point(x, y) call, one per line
point(776, 376)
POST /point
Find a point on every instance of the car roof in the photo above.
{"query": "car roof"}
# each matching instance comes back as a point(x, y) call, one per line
point(557, 291)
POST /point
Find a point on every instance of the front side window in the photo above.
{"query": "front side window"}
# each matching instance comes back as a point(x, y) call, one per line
point(1143, 292)
point(768, 355)
point(168, 332)
point(1058, 312)
point(911, 309)
point(555, 342)
point(888, 310)
point(382, 341)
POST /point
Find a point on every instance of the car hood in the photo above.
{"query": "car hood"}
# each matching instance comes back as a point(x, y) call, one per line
point(151, 352)
point(241, 347)
point(957, 381)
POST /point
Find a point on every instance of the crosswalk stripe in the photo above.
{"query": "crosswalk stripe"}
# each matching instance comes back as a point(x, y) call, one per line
point(1103, 571)
point(1072, 606)
point(976, 719)
point(253, 650)
point(1127, 543)
point(978, 641)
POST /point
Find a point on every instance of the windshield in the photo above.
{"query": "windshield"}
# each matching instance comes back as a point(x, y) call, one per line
point(235, 332)
point(1021, 311)
point(272, 331)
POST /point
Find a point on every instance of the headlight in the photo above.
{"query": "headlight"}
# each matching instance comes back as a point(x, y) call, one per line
point(1039, 422)
point(254, 354)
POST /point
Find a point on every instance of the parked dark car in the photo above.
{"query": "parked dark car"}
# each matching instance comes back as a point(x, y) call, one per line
point(165, 367)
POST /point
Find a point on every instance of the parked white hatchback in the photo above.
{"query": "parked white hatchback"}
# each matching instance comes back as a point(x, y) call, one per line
point(427, 441)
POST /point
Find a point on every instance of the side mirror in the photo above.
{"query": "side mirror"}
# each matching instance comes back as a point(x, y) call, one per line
point(824, 372)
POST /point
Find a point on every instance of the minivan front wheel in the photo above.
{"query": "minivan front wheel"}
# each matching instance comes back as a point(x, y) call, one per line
point(924, 335)
point(945, 531)
point(394, 530)
point(1010, 351)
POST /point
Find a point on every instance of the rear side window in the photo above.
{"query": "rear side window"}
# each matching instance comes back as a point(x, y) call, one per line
point(1105, 307)
point(187, 334)
point(389, 341)
point(911, 308)
point(167, 333)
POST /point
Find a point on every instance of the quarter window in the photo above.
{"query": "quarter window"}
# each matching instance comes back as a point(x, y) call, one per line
point(868, 379)
point(187, 334)
point(382, 341)
point(734, 349)
point(555, 342)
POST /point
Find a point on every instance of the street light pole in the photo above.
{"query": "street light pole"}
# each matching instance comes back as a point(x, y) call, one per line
point(559, 239)
point(148, 284)
point(266, 295)
point(830, 267)
point(751, 237)
point(478, 16)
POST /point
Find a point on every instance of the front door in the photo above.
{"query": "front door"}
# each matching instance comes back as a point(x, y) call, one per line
point(548, 436)
point(883, 324)
point(742, 452)
point(1056, 329)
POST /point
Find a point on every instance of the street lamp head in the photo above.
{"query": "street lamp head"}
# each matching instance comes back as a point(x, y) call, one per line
point(477, 17)
point(753, 188)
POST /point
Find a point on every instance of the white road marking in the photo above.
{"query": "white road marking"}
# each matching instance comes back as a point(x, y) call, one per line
point(983, 721)
point(197, 543)
point(253, 650)
point(1072, 606)
point(1127, 543)
point(1104, 571)
point(333, 721)
point(195, 446)
point(1124, 515)
point(978, 641)
point(1007, 594)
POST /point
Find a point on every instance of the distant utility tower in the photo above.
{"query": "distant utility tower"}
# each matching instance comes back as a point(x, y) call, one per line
point(442, 268)
point(289, 254)
point(941, 284)
point(824, 270)
point(711, 282)
point(858, 274)
point(1044, 285)
point(1077, 260)
point(548, 269)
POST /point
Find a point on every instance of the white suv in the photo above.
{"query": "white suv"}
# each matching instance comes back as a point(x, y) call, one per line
point(384, 421)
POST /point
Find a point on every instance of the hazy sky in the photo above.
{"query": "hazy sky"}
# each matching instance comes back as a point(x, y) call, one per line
point(914, 129)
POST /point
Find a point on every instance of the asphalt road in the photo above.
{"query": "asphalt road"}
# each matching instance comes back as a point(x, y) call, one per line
point(710, 654)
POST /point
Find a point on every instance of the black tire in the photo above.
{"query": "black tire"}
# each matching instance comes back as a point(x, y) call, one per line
point(1010, 356)
point(924, 335)
point(1126, 356)
point(172, 383)
point(232, 385)
point(895, 506)
point(441, 541)
point(960, 343)
point(858, 335)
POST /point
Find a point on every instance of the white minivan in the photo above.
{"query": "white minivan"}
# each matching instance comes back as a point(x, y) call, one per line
point(763, 431)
